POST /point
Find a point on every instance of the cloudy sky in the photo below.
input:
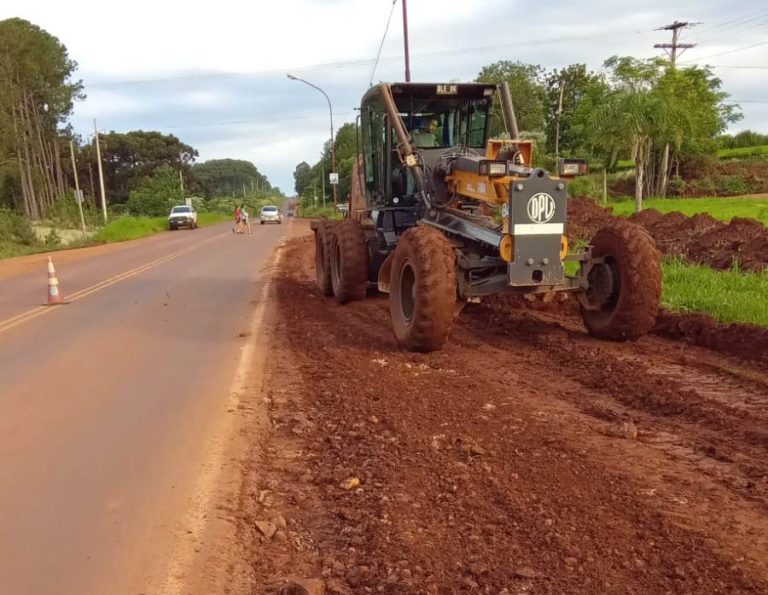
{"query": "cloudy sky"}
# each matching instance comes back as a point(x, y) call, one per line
point(216, 77)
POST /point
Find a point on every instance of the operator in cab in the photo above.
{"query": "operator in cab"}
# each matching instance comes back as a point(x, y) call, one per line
point(426, 137)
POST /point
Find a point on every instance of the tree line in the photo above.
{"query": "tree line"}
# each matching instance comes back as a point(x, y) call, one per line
point(38, 91)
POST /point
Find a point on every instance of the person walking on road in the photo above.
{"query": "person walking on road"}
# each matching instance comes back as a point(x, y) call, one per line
point(244, 219)
point(236, 228)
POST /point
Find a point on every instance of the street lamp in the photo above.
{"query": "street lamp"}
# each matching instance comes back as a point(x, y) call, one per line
point(330, 111)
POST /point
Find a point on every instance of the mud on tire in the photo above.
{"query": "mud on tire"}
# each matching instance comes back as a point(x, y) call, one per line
point(348, 262)
point(627, 289)
point(422, 289)
point(323, 256)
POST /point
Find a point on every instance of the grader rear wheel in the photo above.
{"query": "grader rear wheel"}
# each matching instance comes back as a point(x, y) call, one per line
point(422, 289)
point(323, 256)
point(624, 292)
point(349, 262)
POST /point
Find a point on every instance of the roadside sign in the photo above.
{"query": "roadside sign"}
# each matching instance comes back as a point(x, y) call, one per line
point(188, 201)
point(333, 178)
point(79, 195)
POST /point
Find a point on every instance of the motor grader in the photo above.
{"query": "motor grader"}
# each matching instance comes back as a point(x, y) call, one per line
point(442, 214)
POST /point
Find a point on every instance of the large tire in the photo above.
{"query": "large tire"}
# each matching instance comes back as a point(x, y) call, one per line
point(422, 287)
point(625, 292)
point(349, 262)
point(323, 256)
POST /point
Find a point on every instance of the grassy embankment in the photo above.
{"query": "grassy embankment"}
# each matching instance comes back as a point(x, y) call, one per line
point(727, 296)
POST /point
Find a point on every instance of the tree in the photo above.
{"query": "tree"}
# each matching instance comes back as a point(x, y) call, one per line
point(155, 195)
point(132, 156)
point(653, 114)
point(36, 95)
point(564, 90)
point(223, 177)
point(302, 177)
point(525, 87)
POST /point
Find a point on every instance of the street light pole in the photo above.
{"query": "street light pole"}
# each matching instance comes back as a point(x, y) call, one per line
point(330, 111)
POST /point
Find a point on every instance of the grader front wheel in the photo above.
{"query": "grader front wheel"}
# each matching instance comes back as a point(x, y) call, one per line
point(422, 289)
point(624, 292)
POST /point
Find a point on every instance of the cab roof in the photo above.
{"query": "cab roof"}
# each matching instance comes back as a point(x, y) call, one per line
point(431, 90)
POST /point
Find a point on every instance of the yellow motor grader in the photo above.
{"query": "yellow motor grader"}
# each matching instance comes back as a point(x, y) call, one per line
point(441, 212)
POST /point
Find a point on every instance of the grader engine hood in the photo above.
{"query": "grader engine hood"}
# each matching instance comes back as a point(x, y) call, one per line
point(535, 218)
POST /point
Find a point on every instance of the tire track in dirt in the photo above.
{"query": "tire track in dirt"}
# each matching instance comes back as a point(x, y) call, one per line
point(501, 462)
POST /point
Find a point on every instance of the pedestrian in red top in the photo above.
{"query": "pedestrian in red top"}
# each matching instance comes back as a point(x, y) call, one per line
point(237, 219)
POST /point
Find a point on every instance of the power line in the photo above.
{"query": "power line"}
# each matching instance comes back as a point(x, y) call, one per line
point(381, 45)
point(741, 49)
point(730, 27)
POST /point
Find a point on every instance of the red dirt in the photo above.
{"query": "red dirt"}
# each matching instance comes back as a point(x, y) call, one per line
point(523, 457)
point(701, 238)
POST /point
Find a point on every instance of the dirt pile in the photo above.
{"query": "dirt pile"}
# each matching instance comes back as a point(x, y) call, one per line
point(585, 217)
point(701, 238)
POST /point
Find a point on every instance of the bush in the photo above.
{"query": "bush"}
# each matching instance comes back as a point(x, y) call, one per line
point(586, 186)
point(53, 239)
point(676, 186)
point(732, 185)
point(703, 187)
point(65, 214)
point(16, 229)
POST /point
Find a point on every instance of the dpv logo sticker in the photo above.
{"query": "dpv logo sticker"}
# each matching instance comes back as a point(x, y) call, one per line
point(541, 207)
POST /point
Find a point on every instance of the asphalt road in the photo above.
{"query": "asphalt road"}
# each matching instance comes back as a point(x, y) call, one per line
point(106, 405)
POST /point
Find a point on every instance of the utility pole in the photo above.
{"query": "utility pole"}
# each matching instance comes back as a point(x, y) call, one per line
point(181, 176)
point(78, 194)
point(405, 41)
point(671, 48)
point(322, 176)
point(559, 113)
point(101, 172)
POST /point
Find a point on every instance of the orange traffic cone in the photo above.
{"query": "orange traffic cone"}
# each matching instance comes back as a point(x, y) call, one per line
point(54, 293)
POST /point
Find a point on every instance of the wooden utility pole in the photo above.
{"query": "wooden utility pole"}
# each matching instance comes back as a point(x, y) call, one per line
point(672, 48)
point(78, 195)
point(407, 53)
point(559, 113)
point(101, 172)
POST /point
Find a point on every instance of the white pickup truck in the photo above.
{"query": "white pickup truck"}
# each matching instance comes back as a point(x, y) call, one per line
point(182, 216)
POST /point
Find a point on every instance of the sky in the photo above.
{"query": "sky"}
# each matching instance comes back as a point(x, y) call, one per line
point(216, 76)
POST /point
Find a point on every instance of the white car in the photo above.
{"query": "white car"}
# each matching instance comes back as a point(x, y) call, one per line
point(182, 216)
point(271, 214)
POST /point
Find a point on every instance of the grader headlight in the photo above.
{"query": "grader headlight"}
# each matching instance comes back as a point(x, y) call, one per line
point(493, 169)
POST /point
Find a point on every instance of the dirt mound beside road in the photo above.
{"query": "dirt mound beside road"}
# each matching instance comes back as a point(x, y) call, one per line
point(742, 242)
point(523, 457)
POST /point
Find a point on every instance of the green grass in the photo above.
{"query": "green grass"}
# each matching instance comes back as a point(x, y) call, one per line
point(132, 228)
point(720, 208)
point(743, 152)
point(316, 212)
point(727, 296)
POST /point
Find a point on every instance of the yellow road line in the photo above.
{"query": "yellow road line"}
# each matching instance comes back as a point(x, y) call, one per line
point(18, 319)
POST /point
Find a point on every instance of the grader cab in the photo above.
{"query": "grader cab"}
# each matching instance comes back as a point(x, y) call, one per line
point(446, 206)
